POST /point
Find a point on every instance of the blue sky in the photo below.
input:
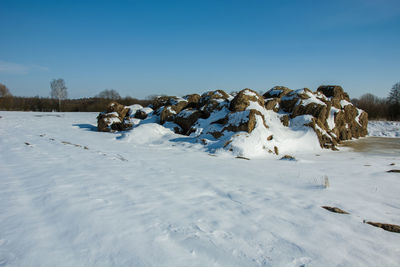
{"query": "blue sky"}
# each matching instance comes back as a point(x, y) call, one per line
point(140, 48)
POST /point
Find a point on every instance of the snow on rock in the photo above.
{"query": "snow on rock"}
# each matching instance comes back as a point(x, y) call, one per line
point(115, 118)
point(248, 124)
point(134, 108)
point(244, 99)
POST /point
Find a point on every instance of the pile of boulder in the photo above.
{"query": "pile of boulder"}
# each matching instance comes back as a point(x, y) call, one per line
point(333, 117)
point(216, 115)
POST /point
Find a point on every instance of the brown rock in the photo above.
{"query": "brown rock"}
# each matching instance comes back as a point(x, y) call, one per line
point(227, 143)
point(193, 100)
point(115, 118)
point(277, 92)
point(288, 157)
point(120, 126)
point(162, 101)
point(272, 104)
point(292, 99)
point(357, 128)
point(178, 130)
point(243, 98)
point(241, 157)
point(167, 114)
point(285, 120)
point(120, 109)
point(303, 93)
point(216, 135)
point(140, 114)
point(186, 118)
point(326, 140)
point(349, 123)
point(174, 106)
point(179, 105)
point(213, 100)
point(288, 103)
point(318, 111)
point(347, 126)
point(334, 91)
point(175, 103)
point(107, 122)
point(213, 95)
point(335, 209)
point(385, 226)
point(244, 121)
point(343, 133)
point(363, 119)
point(350, 113)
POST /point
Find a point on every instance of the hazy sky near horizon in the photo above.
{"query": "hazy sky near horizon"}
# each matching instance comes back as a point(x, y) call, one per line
point(140, 48)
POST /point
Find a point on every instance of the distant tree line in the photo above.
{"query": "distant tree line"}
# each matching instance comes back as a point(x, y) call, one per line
point(381, 108)
point(376, 107)
point(59, 101)
point(93, 104)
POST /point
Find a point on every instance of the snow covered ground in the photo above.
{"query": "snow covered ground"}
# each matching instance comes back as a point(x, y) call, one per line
point(71, 196)
point(384, 128)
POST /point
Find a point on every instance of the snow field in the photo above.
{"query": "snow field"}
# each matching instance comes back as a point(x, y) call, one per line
point(150, 197)
point(384, 128)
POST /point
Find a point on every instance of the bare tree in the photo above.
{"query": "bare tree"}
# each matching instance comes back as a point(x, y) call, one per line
point(58, 90)
point(109, 94)
point(368, 98)
point(4, 92)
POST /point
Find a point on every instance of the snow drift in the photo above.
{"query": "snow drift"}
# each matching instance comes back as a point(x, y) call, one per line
point(246, 123)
